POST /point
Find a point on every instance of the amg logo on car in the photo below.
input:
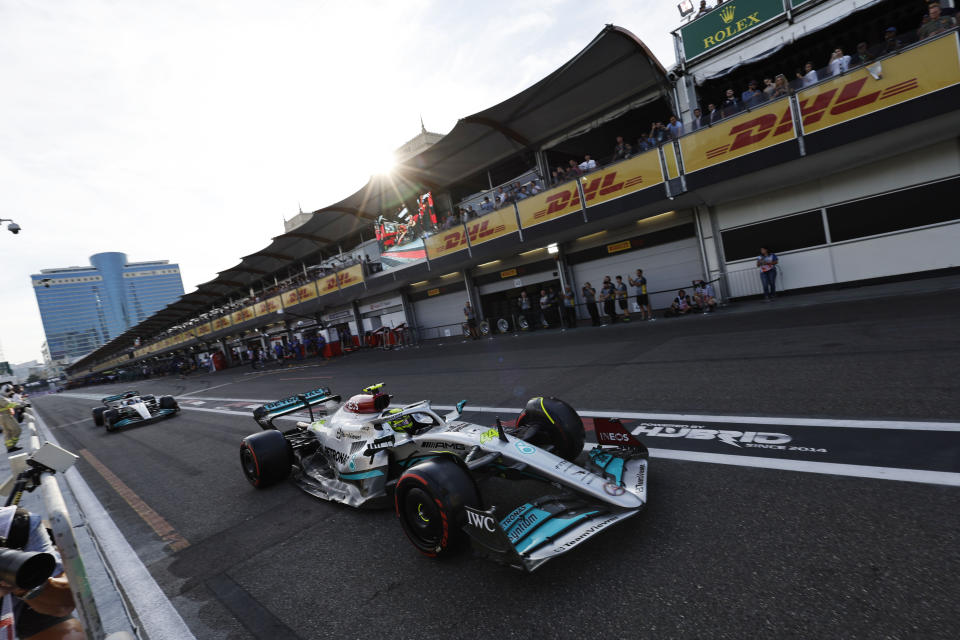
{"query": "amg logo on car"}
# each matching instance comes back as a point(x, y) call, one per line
point(433, 444)
point(480, 521)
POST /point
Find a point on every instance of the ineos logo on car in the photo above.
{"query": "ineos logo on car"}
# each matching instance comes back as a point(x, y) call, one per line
point(525, 448)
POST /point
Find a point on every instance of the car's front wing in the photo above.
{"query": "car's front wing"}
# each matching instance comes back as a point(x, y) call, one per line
point(540, 530)
point(159, 415)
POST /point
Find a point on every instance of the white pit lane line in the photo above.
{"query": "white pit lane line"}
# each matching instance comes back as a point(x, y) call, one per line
point(828, 468)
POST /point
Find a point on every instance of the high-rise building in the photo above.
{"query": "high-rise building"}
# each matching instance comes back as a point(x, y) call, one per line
point(85, 307)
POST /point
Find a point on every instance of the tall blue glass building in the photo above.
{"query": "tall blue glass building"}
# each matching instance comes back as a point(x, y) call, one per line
point(83, 308)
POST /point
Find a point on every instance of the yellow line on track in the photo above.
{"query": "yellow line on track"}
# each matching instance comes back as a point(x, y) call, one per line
point(161, 527)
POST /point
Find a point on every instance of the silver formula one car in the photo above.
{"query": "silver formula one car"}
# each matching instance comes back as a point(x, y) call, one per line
point(130, 407)
point(366, 454)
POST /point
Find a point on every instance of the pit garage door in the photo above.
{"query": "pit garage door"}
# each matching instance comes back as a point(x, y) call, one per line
point(440, 316)
point(668, 267)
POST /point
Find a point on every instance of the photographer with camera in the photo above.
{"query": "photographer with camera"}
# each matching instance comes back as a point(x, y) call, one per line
point(37, 603)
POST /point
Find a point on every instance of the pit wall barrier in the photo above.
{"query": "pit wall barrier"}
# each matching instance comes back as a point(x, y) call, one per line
point(61, 524)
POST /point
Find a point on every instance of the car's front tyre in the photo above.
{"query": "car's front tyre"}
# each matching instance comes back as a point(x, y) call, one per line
point(265, 458)
point(98, 415)
point(110, 418)
point(557, 425)
point(430, 500)
point(169, 402)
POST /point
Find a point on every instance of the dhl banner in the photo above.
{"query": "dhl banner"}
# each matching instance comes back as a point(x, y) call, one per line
point(446, 242)
point(759, 129)
point(203, 329)
point(221, 323)
point(247, 313)
point(327, 285)
point(350, 276)
point(264, 307)
point(894, 80)
point(492, 226)
point(485, 228)
point(300, 294)
point(550, 205)
point(623, 178)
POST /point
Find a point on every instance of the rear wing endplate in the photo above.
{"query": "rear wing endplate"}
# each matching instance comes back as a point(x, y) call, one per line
point(266, 414)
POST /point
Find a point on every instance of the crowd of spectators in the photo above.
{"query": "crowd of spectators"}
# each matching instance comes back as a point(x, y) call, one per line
point(934, 22)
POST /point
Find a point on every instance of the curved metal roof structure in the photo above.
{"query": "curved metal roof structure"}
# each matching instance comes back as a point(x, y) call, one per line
point(613, 71)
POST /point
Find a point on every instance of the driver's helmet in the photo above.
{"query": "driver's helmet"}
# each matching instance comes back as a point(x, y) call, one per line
point(401, 424)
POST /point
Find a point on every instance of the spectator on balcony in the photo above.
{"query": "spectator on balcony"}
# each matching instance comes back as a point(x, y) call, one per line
point(713, 114)
point(502, 197)
point(535, 188)
point(808, 76)
point(730, 104)
point(863, 55)
point(588, 164)
point(674, 128)
point(752, 96)
point(839, 62)
point(768, 88)
point(622, 150)
point(698, 121)
point(573, 171)
point(891, 43)
point(448, 222)
point(704, 9)
point(558, 176)
point(522, 194)
point(658, 133)
point(486, 206)
point(590, 300)
point(780, 87)
point(937, 23)
point(645, 144)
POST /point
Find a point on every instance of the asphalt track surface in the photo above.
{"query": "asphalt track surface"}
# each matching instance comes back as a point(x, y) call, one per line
point(721, 551)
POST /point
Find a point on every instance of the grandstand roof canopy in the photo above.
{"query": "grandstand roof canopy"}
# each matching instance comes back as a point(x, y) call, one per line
point(613, 71)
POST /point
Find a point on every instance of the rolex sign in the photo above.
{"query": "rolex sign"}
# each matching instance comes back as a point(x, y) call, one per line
point(725, 23)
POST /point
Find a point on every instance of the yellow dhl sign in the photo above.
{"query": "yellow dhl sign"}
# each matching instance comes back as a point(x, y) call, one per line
point(615, 181)
point(350, 276)
point(762, 128)
point(327, 285)
point(247, 313)
point(268, 306)
point(894, 80)
point(489, 227)
point(221, 323)
point(300, 294)
point(204, 329)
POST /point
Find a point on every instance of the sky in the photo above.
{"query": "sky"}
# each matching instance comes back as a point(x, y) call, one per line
point(188, 131)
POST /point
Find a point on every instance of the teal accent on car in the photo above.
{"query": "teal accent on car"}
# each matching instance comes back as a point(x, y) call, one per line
point(610, 464)
point(361, 475)
point(527, 523)
point(550, 529)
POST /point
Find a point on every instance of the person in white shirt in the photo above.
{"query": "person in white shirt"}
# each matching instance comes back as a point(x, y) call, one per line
point(808, 76)
point(839, 63)
point(588, 164)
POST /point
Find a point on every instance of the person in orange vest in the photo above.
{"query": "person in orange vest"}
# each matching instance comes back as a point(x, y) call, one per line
point(11, 429)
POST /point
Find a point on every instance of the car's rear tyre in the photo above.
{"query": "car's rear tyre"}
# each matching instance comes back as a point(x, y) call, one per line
point(430, 500)
point(98, 415)
point(265, 458)
point(557, 424)
point(110, 417)
point(168, 402)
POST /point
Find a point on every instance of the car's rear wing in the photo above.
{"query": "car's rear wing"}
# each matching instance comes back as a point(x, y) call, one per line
point(269, 412)
point(119, 396)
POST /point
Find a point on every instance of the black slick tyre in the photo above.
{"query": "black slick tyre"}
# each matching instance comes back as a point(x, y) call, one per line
point(430, 500)
point(557, 424)
point(98, 415)
point(168, 402)
point(265, 458)
point(110, 417)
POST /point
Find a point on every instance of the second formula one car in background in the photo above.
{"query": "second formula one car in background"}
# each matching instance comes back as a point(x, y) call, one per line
point(428, 467)
point(130, 407)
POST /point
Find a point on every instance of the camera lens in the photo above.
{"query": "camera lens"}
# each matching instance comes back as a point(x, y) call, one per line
point(25, 569)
